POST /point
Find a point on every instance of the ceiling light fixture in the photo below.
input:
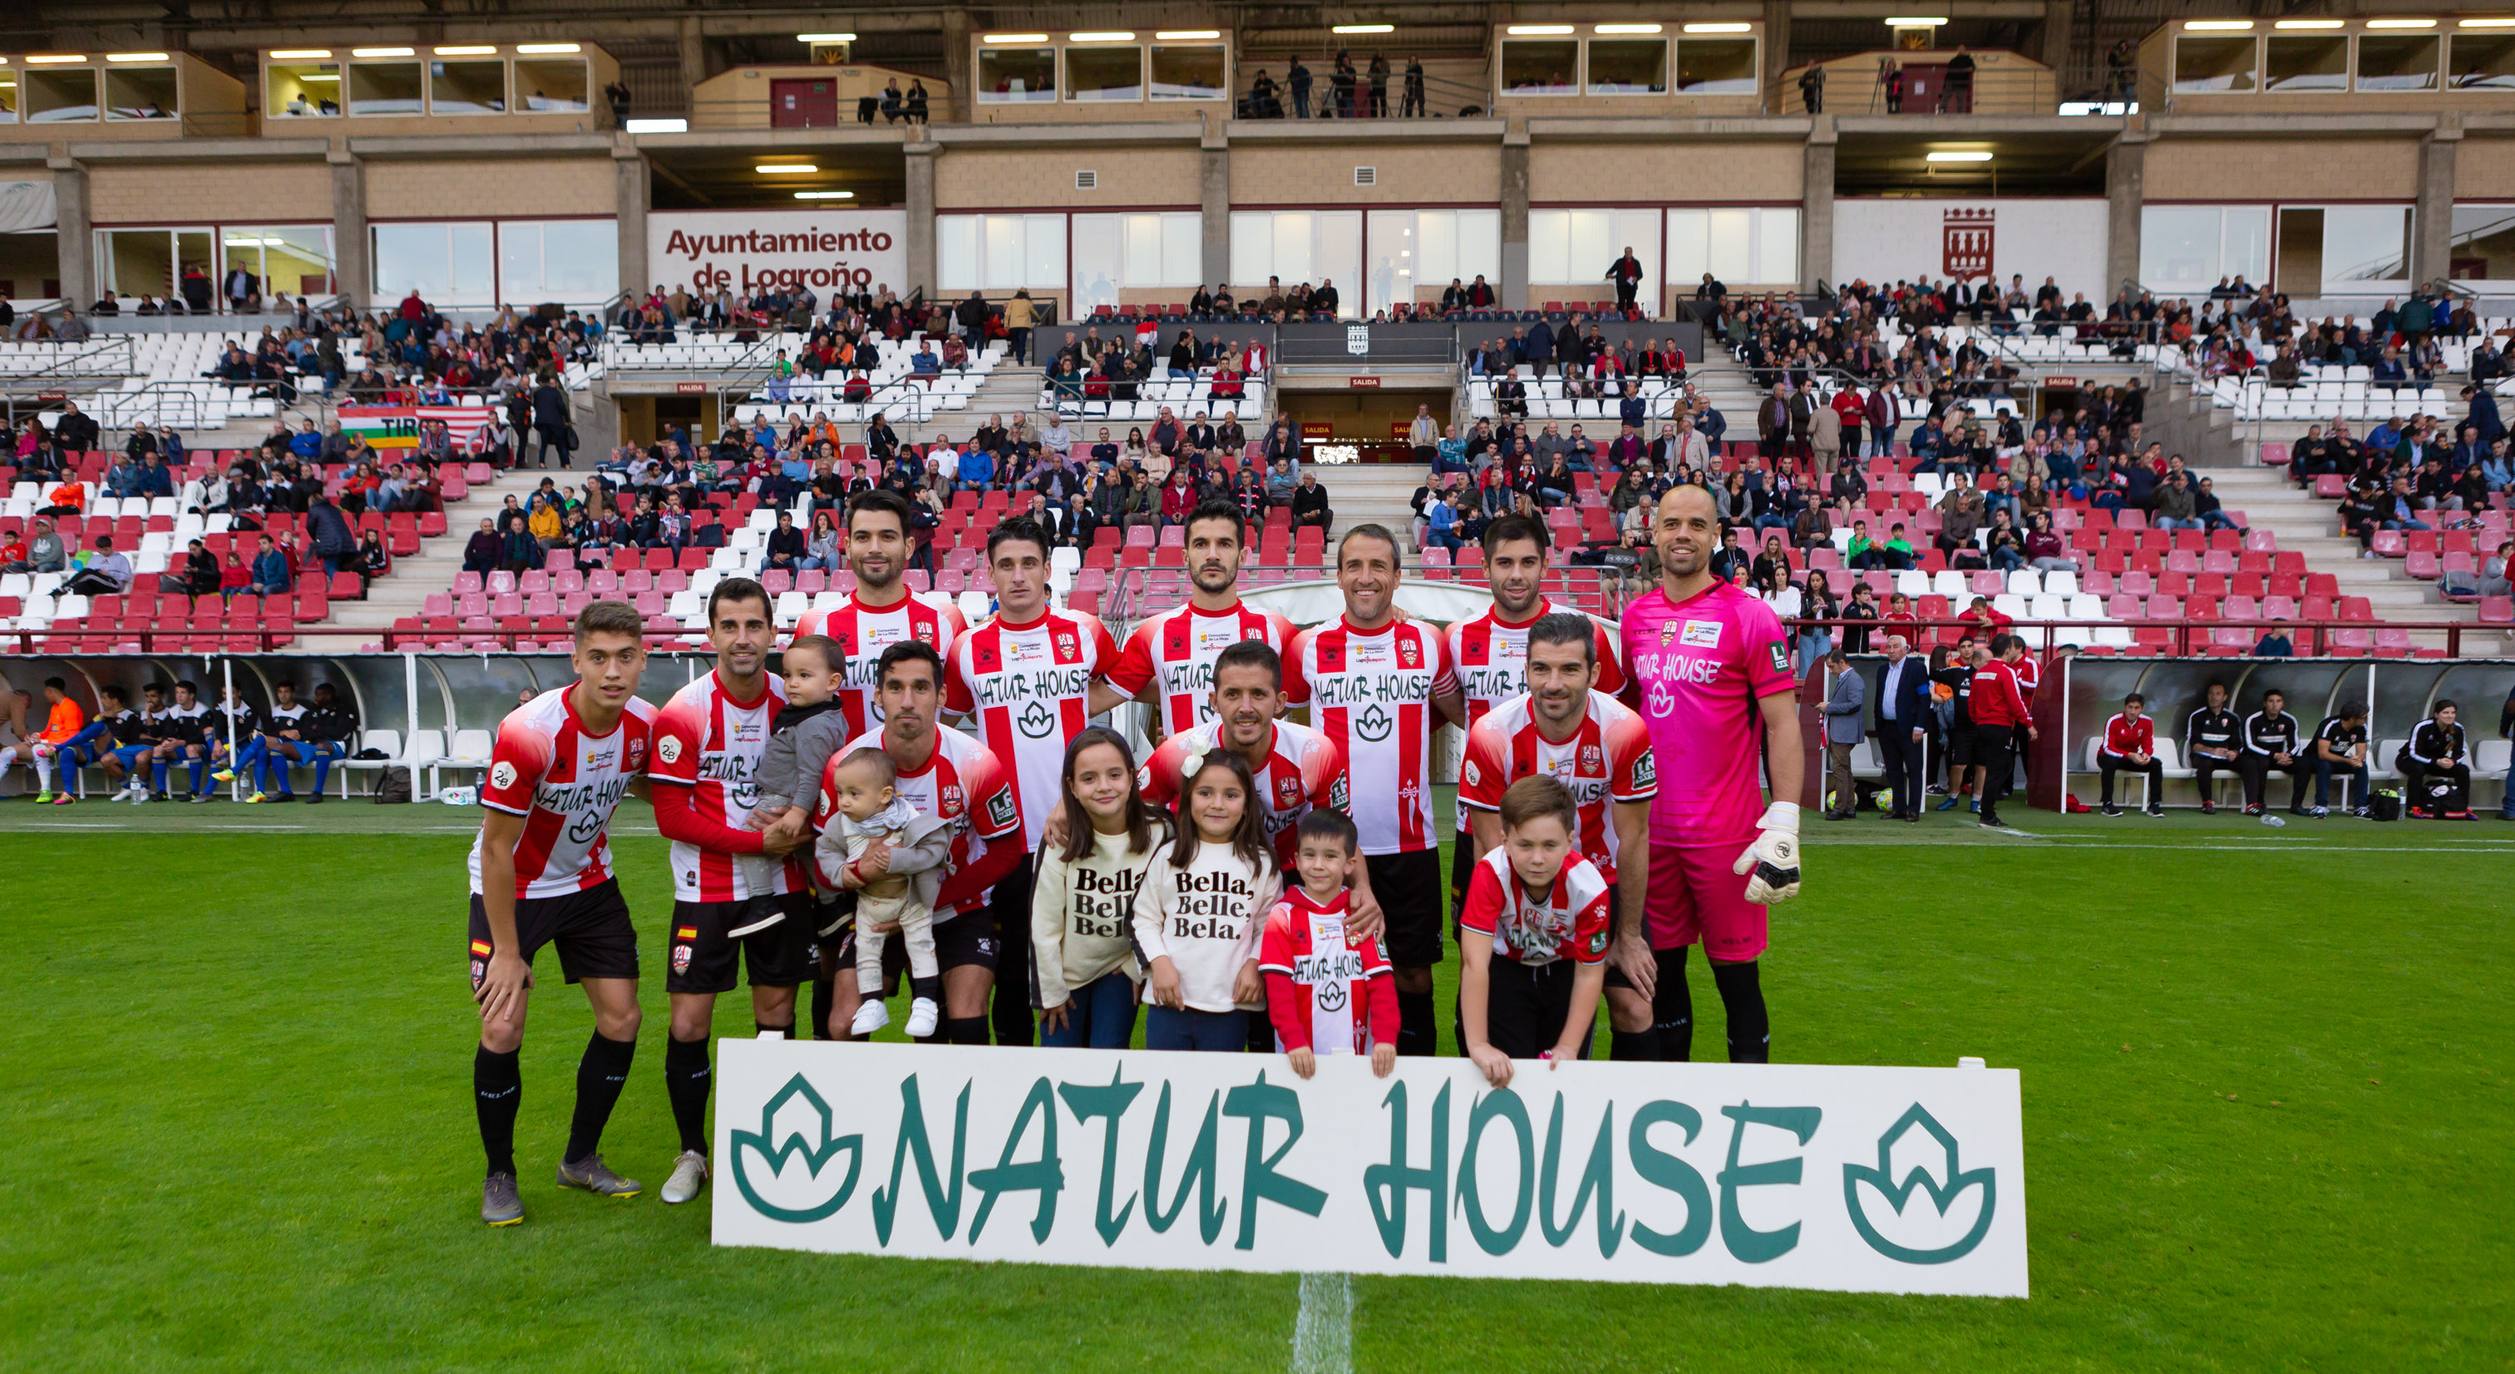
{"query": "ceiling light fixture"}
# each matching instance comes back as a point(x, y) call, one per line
point(1103, 36)
point(1724, 26)
point(1363, 28)
point(784, 169)
point(48, 58)
point(2307, 24)
point(135, 57)
point(297, 54)
point(1625, 28)
point(1015, 38)
point(1186, 35)
point(2401, 23)
point(548, 49)
point(1538, 30)
point(381, 52)
point(673, 124)
point(825, 195)
point(2218, 26)
point(1959, 155)
point(825, 38)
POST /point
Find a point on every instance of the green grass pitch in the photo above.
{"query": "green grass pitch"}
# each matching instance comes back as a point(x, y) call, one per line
point(2268, 1123)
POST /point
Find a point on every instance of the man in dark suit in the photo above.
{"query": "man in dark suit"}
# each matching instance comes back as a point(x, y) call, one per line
point(1903, 704)
point(1772, 423)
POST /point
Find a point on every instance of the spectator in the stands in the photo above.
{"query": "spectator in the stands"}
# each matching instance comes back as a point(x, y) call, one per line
point(1309, 504)
point(235, 575)
point(2176, 505)
point(374, 560)
point(787, 546)
point(199, 576)
point(104, 573)
point(271, 574)
point(480, 552)
point(2275, 642)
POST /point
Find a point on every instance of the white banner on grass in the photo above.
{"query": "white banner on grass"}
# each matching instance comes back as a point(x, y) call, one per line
point(1797, 1176)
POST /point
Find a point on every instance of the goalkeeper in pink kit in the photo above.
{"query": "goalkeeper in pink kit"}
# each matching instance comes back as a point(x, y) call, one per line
point(1708, 667)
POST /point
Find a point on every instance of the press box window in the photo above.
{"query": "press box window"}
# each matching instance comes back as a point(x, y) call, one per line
point(1190, 73)
point(59, 95)
point(2388, 62)
point(2482, 62)
point(1013, 75)
point(1541, 67)
point(1716, 66)
point(386, 88)
point(1098, 73)
point(1628, 66)
point(301, 90)
point(2306, 62)
point(2214, 66)
point(140, 93)
point(467, 88)
point(551, 85)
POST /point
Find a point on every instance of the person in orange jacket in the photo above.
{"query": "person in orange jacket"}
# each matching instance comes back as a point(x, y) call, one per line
point(68, 498)
point(64, 719)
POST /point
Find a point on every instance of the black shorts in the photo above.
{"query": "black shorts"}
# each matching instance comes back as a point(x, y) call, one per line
point(1525, 1006)
point(1960, 744)
point(590, 927)
point(761, 933)
point(1992, 744)
point(1408, 888)
point(964, 941)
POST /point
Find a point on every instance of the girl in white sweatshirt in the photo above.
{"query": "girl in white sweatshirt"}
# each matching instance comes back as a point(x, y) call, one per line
point(1083, 968)
point(1200, 909)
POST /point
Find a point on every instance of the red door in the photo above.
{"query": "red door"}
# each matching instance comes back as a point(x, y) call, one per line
point(803, 104)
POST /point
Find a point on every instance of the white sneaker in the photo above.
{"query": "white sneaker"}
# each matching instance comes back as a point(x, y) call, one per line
point(870, 1017)
point(922, 1016)
point(689, 1175)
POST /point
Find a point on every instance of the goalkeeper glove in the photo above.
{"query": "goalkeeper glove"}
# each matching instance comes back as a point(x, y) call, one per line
point(1773, 859)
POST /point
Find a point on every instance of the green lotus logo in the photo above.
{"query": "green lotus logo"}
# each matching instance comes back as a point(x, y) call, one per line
point(1374, 725)
point(779, 1167)
point(1918, 1235)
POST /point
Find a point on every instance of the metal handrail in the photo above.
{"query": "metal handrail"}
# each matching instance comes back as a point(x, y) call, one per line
point(921, 402)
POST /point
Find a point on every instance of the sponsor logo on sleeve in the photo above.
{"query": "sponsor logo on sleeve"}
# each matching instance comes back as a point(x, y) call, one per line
point(502, 776)
point(668, 749)
point(1000, 808)
point(1646, 770)
point(1781, 656)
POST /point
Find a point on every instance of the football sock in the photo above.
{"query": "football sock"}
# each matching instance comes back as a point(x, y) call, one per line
point(198, 770)
point(599, 1077)
point(964, 1030)
point(1672, 1008)
point(157, 777)
point(1416, 1032)
point(1261, 1033)
point(322, 771)
point(1633, 1047)
point(1742, 996)
point(686, 1081)
point(820, 1008)
point(765, 1028)
point(929, 988)
point(497, 1091)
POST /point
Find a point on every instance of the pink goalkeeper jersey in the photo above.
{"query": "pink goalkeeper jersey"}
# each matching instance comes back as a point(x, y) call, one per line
point(1696, 669)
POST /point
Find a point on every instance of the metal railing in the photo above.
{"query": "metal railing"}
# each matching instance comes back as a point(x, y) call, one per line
point(904, 399)
point(1865, 91)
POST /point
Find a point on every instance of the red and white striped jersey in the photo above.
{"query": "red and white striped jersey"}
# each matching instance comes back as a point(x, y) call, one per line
point(1029, 686)
point(1174, 653)
point(1492, 658)
point(1607, 760)
point(1327, 975)
point(1303, 769)
point(707, 738)
point(961, 781)
point(1370, 692)
point(865, 631)
point(2029, 671)
point(1571, 923)
point(565, 782)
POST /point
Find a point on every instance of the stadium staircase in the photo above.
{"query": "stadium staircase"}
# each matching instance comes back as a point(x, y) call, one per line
point(2311, 525)
point(432, 568)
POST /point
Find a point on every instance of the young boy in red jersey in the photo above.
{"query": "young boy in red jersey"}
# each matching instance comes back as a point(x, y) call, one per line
point(1533, 937)
point(1317, 975)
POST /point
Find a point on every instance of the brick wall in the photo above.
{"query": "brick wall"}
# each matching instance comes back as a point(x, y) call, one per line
point(452, 189)
point(2304, 170)
point(1677, 173)
point(220, 192)
point(2484, 169)
point(1043, 178)
point(1308, 173)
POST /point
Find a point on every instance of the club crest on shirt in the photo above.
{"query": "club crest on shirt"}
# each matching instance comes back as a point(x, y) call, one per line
point(637, 754)
point(1287, 792)
point(949, 801)
point(923, 630)
point(1592, 760)
point(1065, 645)
point(1702, 634)
point(1409, 654)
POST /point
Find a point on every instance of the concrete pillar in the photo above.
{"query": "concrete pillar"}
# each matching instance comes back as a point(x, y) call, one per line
point(2126, 176)
point(353, 271)
point(2055, 48)
point(921, 274)
point(960, 64)
point(2432, 224)
point(1816, 207)
point(1214, 198)
point(693, 55)
point(1512, 290)
point(634, 184)
point(77, 241)
point(1776, 45)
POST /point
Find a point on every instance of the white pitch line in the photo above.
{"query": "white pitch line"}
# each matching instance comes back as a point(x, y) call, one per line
point(1323, 1332)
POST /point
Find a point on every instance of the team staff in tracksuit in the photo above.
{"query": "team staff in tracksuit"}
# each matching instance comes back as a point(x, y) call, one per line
point(2271, 739)
point(2437, 748)
point(2340, 750)
point(1999, 709)
point(2211, 744)
point(2131, 746)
